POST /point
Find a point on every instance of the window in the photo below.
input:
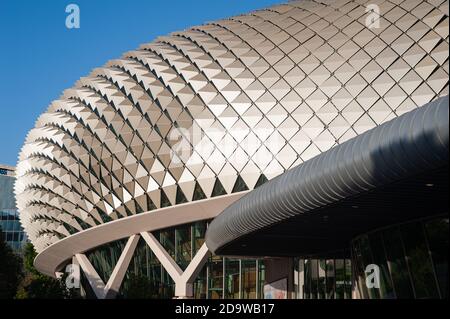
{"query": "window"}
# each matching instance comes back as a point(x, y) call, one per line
point(232, 278)
point(248, 279)
point(437, 233)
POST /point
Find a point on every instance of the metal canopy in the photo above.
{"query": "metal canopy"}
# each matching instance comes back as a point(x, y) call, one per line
point(395, 172)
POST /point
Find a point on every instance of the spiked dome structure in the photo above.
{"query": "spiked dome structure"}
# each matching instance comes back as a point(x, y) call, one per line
point(251, 96)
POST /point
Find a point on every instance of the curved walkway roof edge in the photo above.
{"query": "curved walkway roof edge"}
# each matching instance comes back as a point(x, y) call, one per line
point(51, 259)
point(407, 145)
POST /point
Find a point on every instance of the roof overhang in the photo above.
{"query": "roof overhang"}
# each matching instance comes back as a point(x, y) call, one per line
point(395, 172)
point(54, 257)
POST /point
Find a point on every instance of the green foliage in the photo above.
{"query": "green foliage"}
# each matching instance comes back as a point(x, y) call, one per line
point(38, 286)
point(139, 287)
point(29, 254)
point(10, 270)
point(42, 287)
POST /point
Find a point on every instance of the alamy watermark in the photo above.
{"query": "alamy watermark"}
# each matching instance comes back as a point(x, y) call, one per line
point(373, 276)
point(73, 276)
point(373, 16)
point(73, 17)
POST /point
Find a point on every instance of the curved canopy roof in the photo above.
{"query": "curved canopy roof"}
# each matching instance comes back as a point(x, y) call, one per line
point(318, 205)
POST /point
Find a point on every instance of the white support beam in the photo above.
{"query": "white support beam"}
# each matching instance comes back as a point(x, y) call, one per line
point(96, 283)
point(183, 280)
point(163, 256)
point(195, 266)
point(110, 290)
point(186, 287)
point(115, 281)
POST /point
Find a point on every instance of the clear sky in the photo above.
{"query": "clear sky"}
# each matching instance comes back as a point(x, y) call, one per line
point(40, 57)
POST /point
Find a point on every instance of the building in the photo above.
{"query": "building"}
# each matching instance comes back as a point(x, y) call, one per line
point(380, 198)
point(10, 227)
point(281, 136)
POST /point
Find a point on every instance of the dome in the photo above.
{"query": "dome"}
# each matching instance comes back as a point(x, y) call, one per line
point(222, 108)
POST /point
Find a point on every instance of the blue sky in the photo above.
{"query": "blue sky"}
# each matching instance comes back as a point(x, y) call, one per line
point(40, 57)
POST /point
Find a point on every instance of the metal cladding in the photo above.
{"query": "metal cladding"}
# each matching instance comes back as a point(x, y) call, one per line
point(251, 96)
point(408, 145)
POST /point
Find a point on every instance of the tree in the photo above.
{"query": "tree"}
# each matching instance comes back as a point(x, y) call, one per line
point(10, 270)
point(38, 286)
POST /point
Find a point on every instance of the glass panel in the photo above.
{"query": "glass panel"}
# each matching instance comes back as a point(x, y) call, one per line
point(262, 278)
point(340, 278)
point(17, 226)
point(330, 279)
point(358, 268)
point(215, 285)
point(298, 272)
point(240, 185)
point(376, 244)
point(198, 193)
point(167, 291)
point(232, 279)
point(167, 240)
point(183, 246)
point(437, 233)
point(419, 261)
point(165, 202)
point(104, 258)
point(180, 198)
point(322, 279)
point(314, 278)
point(367, 259)
point(144, 277)
point(348, 279)
point(9, 225)
point(200, 285)
point(307, 279)
point(249, 279)
point(397, 264)
point(218, 189)
point(198, 236)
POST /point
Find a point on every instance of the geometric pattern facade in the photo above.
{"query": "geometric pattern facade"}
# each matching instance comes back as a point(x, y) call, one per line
point(250, 96)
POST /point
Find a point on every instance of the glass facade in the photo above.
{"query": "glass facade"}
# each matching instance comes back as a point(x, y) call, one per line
point(412, 259)
point(220, 278)
point(322, 278)
point(10, 226)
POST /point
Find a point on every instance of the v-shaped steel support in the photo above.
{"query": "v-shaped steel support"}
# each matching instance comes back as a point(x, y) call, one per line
point(183, 280)
point(110, 290)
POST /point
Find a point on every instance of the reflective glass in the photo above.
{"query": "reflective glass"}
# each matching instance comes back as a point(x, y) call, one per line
point(419, 261)
point(340, 278)
point(348, 279)
point(358, 270)
point(321, 284)
point(200, 284)
point(438, 234)
point(215, 278)
point(232, 278)
point(146, 278)
point(307, 281)
point(376, 244)
point(314, 278)
point(248, 279)
point(261, 278)
point(330, 280)
point(397, 263)
point(412, 259)
point(368, 259)
point(198, 235)
point(183, 249)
